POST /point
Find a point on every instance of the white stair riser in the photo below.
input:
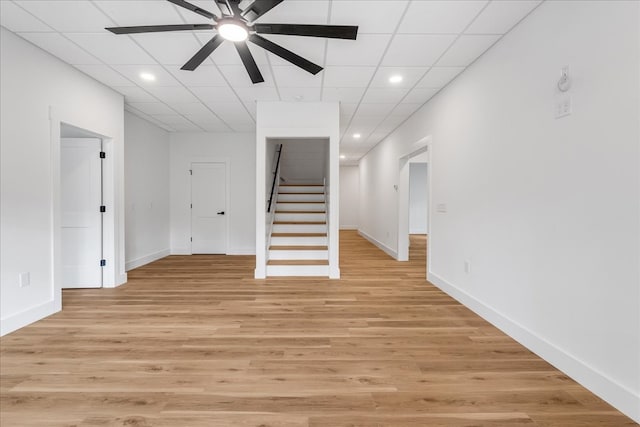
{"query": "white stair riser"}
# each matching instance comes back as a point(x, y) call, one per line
point(300, 206)
point(300, 217)
point(299, 228)
point(300, 189)
point(297, 270)
point(298, 241)
point(301, 198)
point(298, 255)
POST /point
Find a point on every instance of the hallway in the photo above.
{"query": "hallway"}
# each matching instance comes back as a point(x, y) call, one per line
point(196, 341)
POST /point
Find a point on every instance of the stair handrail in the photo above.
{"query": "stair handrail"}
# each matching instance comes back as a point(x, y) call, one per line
point(275, 177)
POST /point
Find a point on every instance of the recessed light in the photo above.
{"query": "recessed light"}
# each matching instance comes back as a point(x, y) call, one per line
point(395, 78)
point(232, 31)
point(342, 156)
point(356, 136)
point(148, 77)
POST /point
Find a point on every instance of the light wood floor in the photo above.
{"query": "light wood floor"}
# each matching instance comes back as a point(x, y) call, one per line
point(195, 341)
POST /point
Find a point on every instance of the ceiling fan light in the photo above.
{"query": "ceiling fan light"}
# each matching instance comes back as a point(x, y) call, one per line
point(233, 32)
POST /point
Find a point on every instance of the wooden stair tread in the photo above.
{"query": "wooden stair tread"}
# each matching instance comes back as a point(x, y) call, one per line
point(300, 222)
point(298, 262)
point(298, 248)
point(300, 212)
point(299, 235)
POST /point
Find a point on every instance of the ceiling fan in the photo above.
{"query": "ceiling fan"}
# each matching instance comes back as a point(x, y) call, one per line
point(238, 25)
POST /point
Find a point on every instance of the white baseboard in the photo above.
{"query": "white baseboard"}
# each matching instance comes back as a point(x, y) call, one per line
point(19, 320)
point(139, 262)
point(600, 384)
point(385, 248)
point(240, 251)
point(348, 227)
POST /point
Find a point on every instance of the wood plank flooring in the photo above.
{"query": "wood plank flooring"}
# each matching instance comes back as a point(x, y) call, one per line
point(195, 341)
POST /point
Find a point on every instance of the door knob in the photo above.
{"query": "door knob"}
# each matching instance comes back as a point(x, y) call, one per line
point(221, 213)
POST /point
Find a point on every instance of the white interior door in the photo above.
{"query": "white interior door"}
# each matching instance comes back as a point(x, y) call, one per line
point(81, 197)
point(208, 208)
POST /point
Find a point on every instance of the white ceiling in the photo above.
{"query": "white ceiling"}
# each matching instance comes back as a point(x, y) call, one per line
point(428, 42)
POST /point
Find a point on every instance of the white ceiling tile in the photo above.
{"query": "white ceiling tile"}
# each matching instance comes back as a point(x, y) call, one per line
point(162, 77)
point(416, 50)
point(68, 16)
point(112, 49)
point(204, 75)
point(252, 106)
point(152, 108)
point(192, 108)
point(134, 12)
point(173, 48)
point(172, 94)
point(348, 76)
point(375, 109)
point(370, 16)
point(384, 96)
point(440, 17)
point(237, 76)
point(16, 19)
point(466, 49)
point(171, 119)
point(186, 127)
point(105, 74)
point(147, 117)
point(257, 93)
point(410, 76)
point(342, 94)
point(366, 50)
point(500, 16)
point(134, 94)
point(218, 96)
point(438, 77)
point(420, 95)
point(306, 94)
point(310, 48)
point(347, 109)
point(210, 120)
point(405, 109)
point(218, 126)
point(298, 12)
point(61, 47)
point(292, 76)
point(390, 124)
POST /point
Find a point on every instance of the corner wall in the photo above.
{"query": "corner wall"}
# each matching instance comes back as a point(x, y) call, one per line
point(146, 191)
point(545, 210)
point(349, 194)
point(37, 92)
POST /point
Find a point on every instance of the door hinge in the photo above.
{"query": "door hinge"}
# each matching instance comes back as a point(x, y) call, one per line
point(103, 209)
point(103, 262)
point(191, 205)
point(190, 172)
point(103, 155)
point(191, 239)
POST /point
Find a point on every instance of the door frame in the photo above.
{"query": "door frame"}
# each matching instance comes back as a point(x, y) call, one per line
point(227, 192)
point(419, 147)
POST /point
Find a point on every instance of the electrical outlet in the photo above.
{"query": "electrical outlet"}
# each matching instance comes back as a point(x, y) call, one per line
point(24, 279)
point(563, 107)
point(467, 266)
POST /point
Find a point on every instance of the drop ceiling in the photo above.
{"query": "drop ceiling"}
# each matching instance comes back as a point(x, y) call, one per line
point(427, 42)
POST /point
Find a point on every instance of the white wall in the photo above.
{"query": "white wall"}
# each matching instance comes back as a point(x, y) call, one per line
point(37, 92)
point(418, 198)
point(545, 209)
point(238, 150)
point(146, 191)
point(349, 195)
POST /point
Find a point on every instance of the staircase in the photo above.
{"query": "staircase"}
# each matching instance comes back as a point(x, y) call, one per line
point(299, 244)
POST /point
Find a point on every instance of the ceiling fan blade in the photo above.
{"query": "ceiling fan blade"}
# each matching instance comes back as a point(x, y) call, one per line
point(249, 62)
point(158, 28)
point(203, 53)
point(258, 8)
point(228, 8)
point(329, 31)
point(194, 8)
point(285, 54)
